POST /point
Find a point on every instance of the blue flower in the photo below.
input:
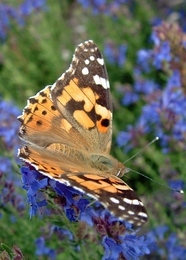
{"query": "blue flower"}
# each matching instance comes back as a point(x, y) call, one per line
point(42, 249)
point(145, 86)
point(129, 98)
point(155, 39)
point(9, 125)
point(124, 137)
point(8, 12)
point(112, 249)
point(176, 184)
point(167, 245)
point(122, 49)
point(32, 184)
point(115, 55)
point(163, 54)
point(143, 59)
point(175, 251)
point(30, 5)
point(130, 247)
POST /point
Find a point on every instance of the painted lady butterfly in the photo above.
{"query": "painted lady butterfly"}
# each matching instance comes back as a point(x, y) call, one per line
point(67, 128)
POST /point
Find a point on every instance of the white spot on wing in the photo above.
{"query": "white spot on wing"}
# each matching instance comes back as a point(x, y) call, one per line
point(131, 212)
point(128, 201)
point(92, 58)
point(121, 207)
point(136, 202)
point(85, 71)
point(87, 61)
point(100, 61)
point(114, 200)
point(101, 81)
point(142, 214)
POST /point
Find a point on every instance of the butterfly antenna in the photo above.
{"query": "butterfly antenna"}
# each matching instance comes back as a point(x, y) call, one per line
point(180, 191)
point(154, 140)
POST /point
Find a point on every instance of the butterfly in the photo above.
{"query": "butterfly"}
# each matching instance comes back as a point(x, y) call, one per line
point(67, 130)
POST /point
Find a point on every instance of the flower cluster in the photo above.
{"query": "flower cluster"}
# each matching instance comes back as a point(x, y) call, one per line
point(163, 115)
point(8, 13)
point(115, 238)
point(168, 245)
point(9, 142)
point(103, 6)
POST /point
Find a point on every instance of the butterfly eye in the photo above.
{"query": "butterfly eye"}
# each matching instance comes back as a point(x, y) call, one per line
point(103, 163)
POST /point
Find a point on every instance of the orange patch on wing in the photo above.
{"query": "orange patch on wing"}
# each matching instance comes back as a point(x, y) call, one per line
point(109, 188)
point(73, 91)
point(91, 185)
point(83, 119)
point(105, 115)
point(64, 98)
point(95, 177)
point(122, 186)
point(36, 123)
point(103, 111)
point(91, 97)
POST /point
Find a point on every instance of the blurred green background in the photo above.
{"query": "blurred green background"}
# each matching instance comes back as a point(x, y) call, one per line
point(38, 48)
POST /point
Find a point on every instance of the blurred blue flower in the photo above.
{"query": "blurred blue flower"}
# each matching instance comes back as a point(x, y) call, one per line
point(105, 6)
point(9, 125)
point(115, 55)
point(145, 86)
point(5, 165)
point(163, 54)
point(129, 98)
point(176, 184)
point(124, 137)
point(122, 49)
point(155, 39)
point(9, 193)
point(167, 245)
point(143, 59)
point(28, 6)
point(8, 12)
point(175, 251)
point(42, 249)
